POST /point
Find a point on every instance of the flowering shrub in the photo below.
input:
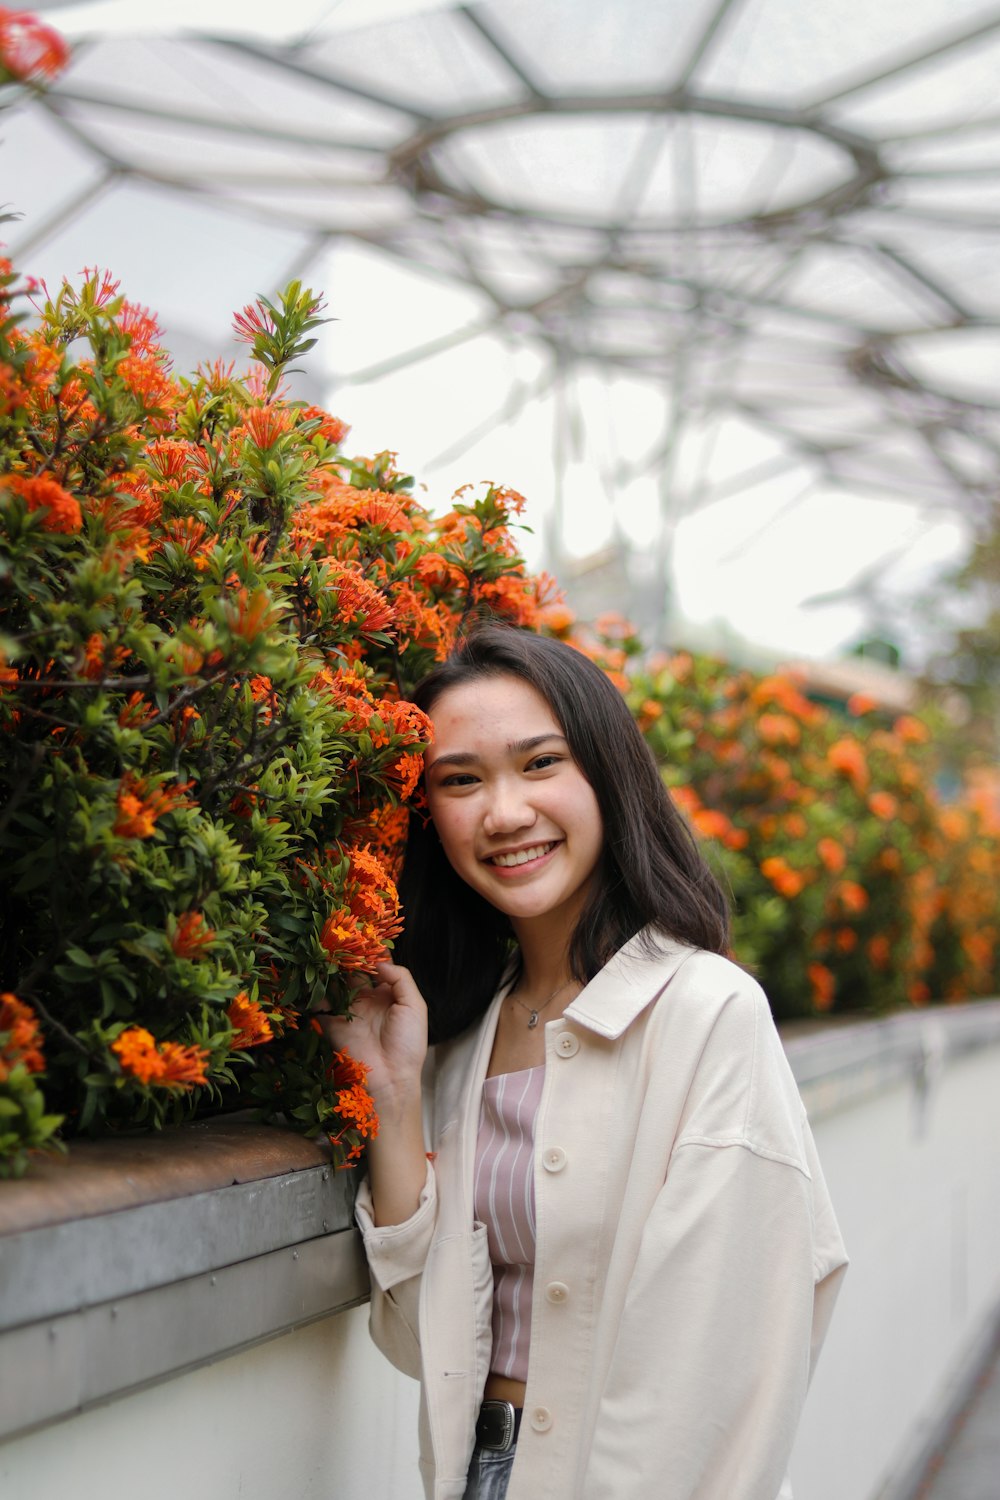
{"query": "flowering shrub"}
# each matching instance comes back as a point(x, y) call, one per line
point(209, 622)
point(854, 887)
point(30, 52)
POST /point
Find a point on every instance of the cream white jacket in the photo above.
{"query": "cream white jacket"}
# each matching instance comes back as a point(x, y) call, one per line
point(687, 1254)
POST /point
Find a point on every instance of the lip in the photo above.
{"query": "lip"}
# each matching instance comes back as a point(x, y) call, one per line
point(507, 872)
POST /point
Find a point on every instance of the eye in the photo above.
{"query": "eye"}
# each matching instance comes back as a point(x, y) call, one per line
point(543, 762)
point(458, 778)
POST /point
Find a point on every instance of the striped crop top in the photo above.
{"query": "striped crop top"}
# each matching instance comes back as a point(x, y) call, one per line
point(505, 1202)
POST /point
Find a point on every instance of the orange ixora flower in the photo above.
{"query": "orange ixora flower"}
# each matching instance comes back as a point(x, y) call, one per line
point(266, 424)
point(136, 1051)
point(182, 1066)
point(355, 1105)
point(911, 731)
point(883, 805)
point(824, 986)
point(557, 618)
point(784, 690)
point(650, 710)
point(98, 659)
point(146, 375)
point(28, 49)
point(191, 935)
point(786, 881)
point(172, 461)
point(383, 829)
point(344, 1071)
point(139, 807)
point(832, 854)
point(20, 1037)
point(848, 757)
point(879, 950)
point(851, 896)
point(255, 319)
point(351, 944)
point(356, 933)
point(250, 1022)
point(711, 823)
point(359, 601)
point(778, 729)
point(249, 615)
point(188, 533)
point(170, 1065)
point(41, 492)
point(330, 428)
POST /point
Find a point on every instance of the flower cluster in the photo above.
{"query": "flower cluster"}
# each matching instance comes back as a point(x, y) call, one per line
point(356, 933)
point(210, 621)
point(855, 886)
point(355, 1106)
point(23, 1121)
point(30, 52)
point(169, 1065)
point(20, 1038)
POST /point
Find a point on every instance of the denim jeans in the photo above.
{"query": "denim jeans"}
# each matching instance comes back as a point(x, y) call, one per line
point(489, 1474)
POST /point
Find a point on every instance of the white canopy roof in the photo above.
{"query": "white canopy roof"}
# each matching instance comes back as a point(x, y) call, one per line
point(716, 282)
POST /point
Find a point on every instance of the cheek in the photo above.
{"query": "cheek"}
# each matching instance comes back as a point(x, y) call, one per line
point(452, 828)
point(585, 816)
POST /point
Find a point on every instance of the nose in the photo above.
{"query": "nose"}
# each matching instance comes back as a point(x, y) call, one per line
point(508, 810)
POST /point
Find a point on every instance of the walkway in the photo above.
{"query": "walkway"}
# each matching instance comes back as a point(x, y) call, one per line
point(970, 1468)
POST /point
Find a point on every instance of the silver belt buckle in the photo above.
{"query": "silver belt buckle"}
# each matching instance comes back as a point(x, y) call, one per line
point(500, 1413)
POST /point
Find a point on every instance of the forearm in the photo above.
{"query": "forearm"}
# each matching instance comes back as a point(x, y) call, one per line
point(397, 1161)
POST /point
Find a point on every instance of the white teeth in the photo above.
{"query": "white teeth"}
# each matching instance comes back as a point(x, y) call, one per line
point(522, 856)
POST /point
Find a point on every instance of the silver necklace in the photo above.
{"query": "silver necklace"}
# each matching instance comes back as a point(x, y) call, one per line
point(534, 1011)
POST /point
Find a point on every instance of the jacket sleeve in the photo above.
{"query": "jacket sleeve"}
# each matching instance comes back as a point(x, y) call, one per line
point(738, 1263)
point(705, 1406)
point(396, 1255)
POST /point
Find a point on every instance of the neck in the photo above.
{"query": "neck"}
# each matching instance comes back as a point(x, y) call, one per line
point(544, 959)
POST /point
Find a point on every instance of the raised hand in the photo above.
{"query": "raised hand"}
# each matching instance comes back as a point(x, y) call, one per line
point(387, 1031)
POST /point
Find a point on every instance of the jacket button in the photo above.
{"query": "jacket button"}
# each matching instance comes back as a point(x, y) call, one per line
point(567, 1045)
point(557, 1291)
point(541, 1419)
point(554, 1159)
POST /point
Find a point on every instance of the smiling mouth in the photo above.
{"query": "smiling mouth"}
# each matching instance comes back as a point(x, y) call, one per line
point(522, 856)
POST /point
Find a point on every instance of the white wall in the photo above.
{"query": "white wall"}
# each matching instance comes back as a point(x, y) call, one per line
point(917, 1191)
point(316, 1414)
point(907, 1117)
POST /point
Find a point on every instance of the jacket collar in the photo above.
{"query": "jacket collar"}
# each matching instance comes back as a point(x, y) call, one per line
point(627, 984)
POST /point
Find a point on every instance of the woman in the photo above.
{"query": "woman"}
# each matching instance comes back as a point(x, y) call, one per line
point(613, 1270)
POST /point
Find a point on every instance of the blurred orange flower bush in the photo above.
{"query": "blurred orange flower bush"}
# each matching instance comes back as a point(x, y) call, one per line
point(855, 887)
point(31, 53)
point(209, 622)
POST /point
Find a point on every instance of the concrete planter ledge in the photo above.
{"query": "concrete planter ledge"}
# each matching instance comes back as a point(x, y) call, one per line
point(128, 1261)
point(841, 1066)
point(131, 1261)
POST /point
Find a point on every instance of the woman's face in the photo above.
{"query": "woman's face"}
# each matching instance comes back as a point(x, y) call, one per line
point(516, 816)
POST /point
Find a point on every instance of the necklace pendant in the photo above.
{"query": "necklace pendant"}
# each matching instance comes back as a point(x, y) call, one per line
point(533, 1020)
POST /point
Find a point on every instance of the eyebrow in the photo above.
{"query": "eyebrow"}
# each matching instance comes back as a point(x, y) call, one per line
point(515, 747)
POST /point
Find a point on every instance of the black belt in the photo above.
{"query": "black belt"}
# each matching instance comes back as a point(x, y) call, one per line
point(497, 1426)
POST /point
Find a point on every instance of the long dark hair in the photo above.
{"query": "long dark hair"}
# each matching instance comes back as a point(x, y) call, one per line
point(651, 872)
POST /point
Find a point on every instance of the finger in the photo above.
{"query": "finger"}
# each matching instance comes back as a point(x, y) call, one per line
point(399, 979)
point(393, 972)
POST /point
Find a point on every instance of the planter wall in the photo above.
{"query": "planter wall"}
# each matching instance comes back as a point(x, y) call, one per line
point(183, 1314)
point(906, 1113)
